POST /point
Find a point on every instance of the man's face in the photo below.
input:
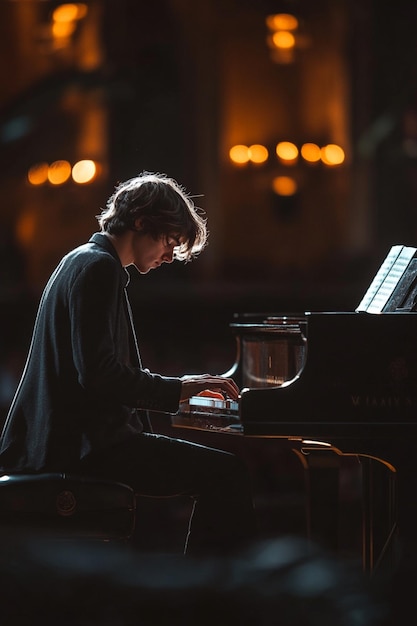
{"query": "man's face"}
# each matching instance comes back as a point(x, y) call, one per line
point(150, 253)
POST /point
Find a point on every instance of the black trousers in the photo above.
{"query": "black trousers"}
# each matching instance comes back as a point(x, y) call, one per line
point(223, 518)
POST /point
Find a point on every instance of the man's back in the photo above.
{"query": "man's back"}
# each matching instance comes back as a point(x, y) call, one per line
point(67, 399)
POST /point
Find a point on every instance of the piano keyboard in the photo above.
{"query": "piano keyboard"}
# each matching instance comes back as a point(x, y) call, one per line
point(208, 413)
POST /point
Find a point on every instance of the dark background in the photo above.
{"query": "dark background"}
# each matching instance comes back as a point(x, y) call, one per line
point(170, 86)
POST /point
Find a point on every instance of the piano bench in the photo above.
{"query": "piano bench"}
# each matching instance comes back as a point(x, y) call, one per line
point(66, 506)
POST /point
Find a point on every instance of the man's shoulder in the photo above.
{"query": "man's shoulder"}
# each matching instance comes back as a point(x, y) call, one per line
point(87, 262)
point(93, 252)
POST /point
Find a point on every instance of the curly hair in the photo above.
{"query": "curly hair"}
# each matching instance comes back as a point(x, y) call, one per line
point(165, 210)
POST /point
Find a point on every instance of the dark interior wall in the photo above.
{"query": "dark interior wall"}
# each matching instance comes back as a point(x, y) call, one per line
point(161, 83)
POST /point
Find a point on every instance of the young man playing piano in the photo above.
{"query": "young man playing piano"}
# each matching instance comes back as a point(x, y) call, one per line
point(81, 403)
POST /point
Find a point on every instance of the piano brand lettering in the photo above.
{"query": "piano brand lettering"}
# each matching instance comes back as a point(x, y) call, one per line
point(383, 402)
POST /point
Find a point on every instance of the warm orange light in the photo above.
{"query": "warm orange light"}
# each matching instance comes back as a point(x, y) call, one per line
point(69, 12)
point(332, 154)
point(25, 228)
point(38, 174)
point(59, 172)
point(63, 29)
point(282, 21)
point(239, 154)
point(84, 171)
point(310, 152)
point(287, 151)
point(258, 153)
point(284, 186)
point(283, 40)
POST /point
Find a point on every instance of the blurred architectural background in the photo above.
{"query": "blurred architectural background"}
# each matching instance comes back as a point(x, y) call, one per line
point(294, 124)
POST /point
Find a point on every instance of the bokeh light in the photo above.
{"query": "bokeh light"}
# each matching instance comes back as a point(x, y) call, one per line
point(287, 151)
point(239, 154)
point(282, 21)
point(283, 39)
point(59, 172)
point(38, 174)
point(258, 153)
point(311, 152)
point(69, 12)
point(332, 154)
point(84, 171)
point(284, 186)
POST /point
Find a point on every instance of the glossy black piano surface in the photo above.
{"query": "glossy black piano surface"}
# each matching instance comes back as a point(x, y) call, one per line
point(357, 378)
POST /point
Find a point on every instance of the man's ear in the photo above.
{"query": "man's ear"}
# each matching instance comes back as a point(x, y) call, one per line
point(139, 223)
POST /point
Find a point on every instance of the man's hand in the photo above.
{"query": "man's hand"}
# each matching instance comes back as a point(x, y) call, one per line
point(193, 385)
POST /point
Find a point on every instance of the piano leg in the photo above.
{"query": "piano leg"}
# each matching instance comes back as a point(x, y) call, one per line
point(379, 513)
point(321, 467)
point(351, 506)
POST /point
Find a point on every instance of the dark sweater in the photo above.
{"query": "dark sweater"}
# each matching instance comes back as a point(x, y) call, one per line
point(82, 382)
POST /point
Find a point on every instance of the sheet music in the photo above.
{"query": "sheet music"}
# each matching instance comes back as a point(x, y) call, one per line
point(386, 279)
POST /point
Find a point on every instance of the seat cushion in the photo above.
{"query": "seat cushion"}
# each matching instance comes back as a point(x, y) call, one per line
point(68, 505)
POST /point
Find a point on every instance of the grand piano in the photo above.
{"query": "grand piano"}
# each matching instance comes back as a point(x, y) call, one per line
point(336, 384)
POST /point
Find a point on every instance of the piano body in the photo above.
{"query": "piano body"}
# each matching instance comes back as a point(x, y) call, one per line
point(359, 378)
point(345, 381)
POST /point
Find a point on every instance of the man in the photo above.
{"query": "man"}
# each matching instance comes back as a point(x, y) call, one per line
point(80, 404)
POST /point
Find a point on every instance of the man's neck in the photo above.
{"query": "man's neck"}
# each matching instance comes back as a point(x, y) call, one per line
point(123, 246)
